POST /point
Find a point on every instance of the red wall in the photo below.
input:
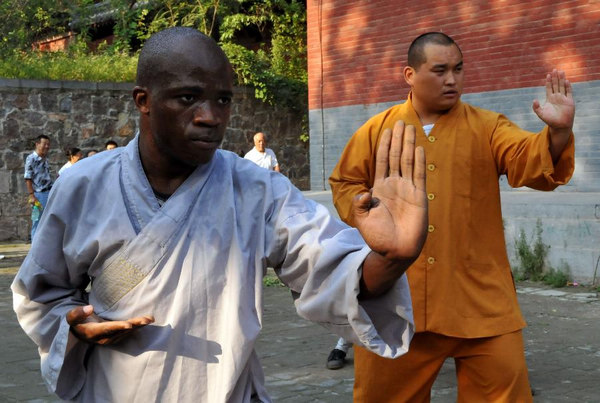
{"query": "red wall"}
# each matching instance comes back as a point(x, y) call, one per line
point(357, 49)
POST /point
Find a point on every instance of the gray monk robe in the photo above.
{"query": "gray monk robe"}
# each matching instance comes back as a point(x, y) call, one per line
point(196, 264)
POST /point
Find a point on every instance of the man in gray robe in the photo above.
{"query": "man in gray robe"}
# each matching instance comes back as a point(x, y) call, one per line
point(144, 282)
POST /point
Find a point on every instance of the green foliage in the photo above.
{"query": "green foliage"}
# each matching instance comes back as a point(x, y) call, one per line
point(557, 277)
point(72, 65)
point(25, 21)
point(264, 39)
point(272, 281)
point(532, 261)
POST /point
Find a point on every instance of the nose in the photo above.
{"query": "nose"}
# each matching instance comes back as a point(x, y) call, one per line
point(450, 79)
point(207, 114)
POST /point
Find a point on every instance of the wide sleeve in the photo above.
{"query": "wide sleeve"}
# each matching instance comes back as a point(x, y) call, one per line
point(320, 259)
point(525, 157)
point(355, 170)
point(44, 290)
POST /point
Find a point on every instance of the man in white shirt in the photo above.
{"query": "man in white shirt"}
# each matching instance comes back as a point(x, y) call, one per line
point(262, 156)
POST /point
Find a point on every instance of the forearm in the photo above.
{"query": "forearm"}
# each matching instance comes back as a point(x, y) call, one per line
point(29, 186)
point(379, 274)
point(558, 141)
point(276, 168)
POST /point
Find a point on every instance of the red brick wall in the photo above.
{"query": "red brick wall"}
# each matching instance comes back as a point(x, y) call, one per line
point(357, 49)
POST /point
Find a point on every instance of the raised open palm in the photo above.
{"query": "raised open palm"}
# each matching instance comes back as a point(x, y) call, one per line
point(393, 217)
point(558, 111)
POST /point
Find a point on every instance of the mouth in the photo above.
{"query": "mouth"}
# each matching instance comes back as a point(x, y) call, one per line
point(205, 143)
point(450, 94)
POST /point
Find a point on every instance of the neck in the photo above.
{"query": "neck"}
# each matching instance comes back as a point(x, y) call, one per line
point(164, 174)
point(426, 116)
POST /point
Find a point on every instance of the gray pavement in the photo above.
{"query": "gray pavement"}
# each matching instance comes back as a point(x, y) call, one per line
point(562, 348)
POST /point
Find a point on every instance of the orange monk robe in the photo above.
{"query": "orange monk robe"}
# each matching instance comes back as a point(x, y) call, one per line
point(461, 284)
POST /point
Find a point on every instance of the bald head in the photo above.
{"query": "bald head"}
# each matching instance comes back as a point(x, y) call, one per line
point(167, 49)
point(260, 142)
point(416, 51)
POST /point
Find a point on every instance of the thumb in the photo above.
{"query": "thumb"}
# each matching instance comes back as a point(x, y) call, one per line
point(537, 108)
point(361, 205)
point(79, 314)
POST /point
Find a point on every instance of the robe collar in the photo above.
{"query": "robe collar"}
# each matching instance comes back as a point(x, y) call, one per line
point(140, 201)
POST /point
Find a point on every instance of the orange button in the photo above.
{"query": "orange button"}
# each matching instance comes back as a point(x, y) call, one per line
point(431, 139)
point(431, 260)
point(430, 228)
point(431, 167)
point(431, 196)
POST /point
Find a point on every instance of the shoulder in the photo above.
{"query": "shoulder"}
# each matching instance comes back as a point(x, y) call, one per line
point(246, 174)
point(471, 110)
point(250, 153)
point(92, 170)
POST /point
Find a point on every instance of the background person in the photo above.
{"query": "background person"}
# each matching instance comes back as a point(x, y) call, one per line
point(38, 179)
point(73, 154)
point(110, 144)
point(261, 155)
point(463, 293)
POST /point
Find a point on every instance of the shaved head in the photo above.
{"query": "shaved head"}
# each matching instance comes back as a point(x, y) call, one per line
point(416, 51)
point(162, 52)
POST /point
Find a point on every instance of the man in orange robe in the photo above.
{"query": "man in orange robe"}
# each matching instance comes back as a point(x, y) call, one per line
point(464, 300)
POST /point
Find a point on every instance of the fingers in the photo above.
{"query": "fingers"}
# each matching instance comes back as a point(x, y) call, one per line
point(92, 329)
point(382, 157)
point(395, 151)
point(79, 314)
point(561, 82)
point(557, 83)
point(141, 321)
point(408, 152)
point(554, 81)
point(419, 169)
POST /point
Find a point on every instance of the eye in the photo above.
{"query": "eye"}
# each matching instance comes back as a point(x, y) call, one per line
point(187, 98)
point(224, 100)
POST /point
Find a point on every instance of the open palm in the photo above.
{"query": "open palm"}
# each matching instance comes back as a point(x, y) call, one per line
point(558, 112)
point(393, 217)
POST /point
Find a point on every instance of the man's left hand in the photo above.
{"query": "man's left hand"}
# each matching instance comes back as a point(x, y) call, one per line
point(558, 112)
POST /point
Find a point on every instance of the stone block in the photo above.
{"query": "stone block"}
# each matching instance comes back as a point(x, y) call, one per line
point(26, 83)
point(99, 105)
point(4, 182)
point(79, 85)
point(65, 103)
point(32, 118)
point(49, 101)
point(13, 160)
point(21, 101)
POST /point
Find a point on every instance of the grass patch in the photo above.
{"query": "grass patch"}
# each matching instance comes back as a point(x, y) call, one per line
point(107, 67)
point(531, 257)
point(271, 280)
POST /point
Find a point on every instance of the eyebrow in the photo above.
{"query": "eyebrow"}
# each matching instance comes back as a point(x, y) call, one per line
point(445, 65)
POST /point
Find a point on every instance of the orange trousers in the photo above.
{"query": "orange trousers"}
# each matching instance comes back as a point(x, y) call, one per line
point(490, 369)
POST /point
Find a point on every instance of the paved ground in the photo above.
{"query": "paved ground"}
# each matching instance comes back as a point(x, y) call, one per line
point(562, 347)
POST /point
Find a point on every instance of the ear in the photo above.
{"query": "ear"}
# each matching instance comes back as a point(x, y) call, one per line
point(409, 74)
point(141, 97)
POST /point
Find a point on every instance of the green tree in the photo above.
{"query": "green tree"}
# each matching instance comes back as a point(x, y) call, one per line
point(25, 21)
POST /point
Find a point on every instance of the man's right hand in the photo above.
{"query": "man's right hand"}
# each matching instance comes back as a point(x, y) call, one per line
point(89, 327)
point(32, 199)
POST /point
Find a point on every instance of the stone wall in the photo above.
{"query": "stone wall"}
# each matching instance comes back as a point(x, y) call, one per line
point(86, 115)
